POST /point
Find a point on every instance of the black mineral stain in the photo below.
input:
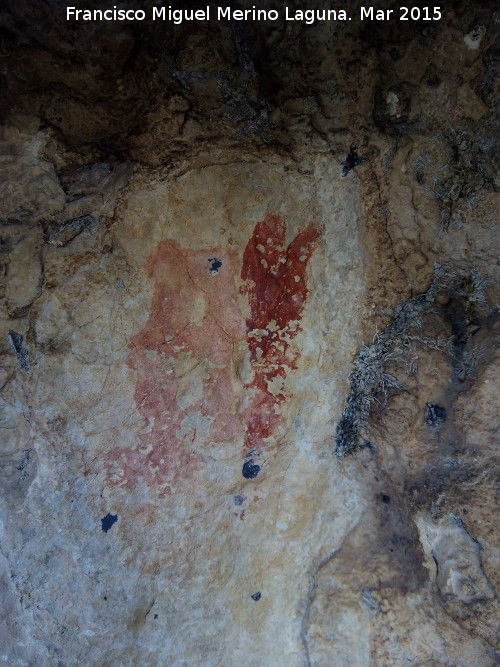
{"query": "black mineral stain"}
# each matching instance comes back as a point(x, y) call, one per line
point(216, 265)
point(238, 500)
point(256, 596)
point(434, 414)
point(108, 521)
point(352, 160)
point(16, 342)
point(250, 469)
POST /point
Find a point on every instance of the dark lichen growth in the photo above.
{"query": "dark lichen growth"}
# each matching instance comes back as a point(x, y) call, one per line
point(108, 521)
point(392, 107)
point(25, 459)
point(250, 469)
point(244, 104)
point(370, 598)
point(394, 351)
point(352, 161)
point(238, 500)
point(16, 342)
point(464, 174)
point(215, 266)
point(256, 596)
point(61, 234)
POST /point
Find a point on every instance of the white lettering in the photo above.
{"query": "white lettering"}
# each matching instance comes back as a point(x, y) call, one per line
point(253, 14)
point(223, 13)
point(310, 16)
point(378, 15)
point(105, 15)
point(176, 16)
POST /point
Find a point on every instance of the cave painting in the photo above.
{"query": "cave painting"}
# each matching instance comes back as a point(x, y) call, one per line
point(274, 277)
point(210, 368)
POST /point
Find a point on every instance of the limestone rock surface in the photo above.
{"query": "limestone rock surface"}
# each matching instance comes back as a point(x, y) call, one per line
point(248, 339)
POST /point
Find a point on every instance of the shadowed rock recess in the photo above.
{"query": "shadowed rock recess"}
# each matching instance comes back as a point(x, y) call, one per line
point(248, 381)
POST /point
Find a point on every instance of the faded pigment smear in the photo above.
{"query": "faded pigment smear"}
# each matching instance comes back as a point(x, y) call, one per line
point(190, 389)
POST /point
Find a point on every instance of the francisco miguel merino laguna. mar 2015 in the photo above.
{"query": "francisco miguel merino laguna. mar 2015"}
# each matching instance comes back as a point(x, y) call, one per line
point(307, 16)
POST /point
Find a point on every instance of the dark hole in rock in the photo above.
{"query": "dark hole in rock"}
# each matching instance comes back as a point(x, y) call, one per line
point(434, 414)
point(433, 82)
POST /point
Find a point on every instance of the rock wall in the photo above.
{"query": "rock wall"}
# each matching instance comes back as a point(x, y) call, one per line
point(248, 341)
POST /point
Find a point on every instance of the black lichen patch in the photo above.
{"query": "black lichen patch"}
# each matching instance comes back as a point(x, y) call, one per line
point(438, 480)
point(238, 500)
point(386, 499)
point(25, 459)
point(250, 469)
point(467, 170)
point(391, 108)
point(434, 414)
point(16, 342)
point(352, 161)
point(370, 598)
point(62, 234)
point(394, 351)
point(108, 521)
point(256, 596)
point(216, 265)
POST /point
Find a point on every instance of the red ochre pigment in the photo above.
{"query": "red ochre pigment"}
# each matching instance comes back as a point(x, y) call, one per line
point(183, 357)
point(275, 281)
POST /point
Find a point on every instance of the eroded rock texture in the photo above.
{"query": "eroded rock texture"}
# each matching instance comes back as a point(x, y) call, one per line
point(248, 336)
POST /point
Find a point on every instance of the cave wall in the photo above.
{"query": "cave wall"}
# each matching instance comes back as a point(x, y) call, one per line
point(248, 341)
